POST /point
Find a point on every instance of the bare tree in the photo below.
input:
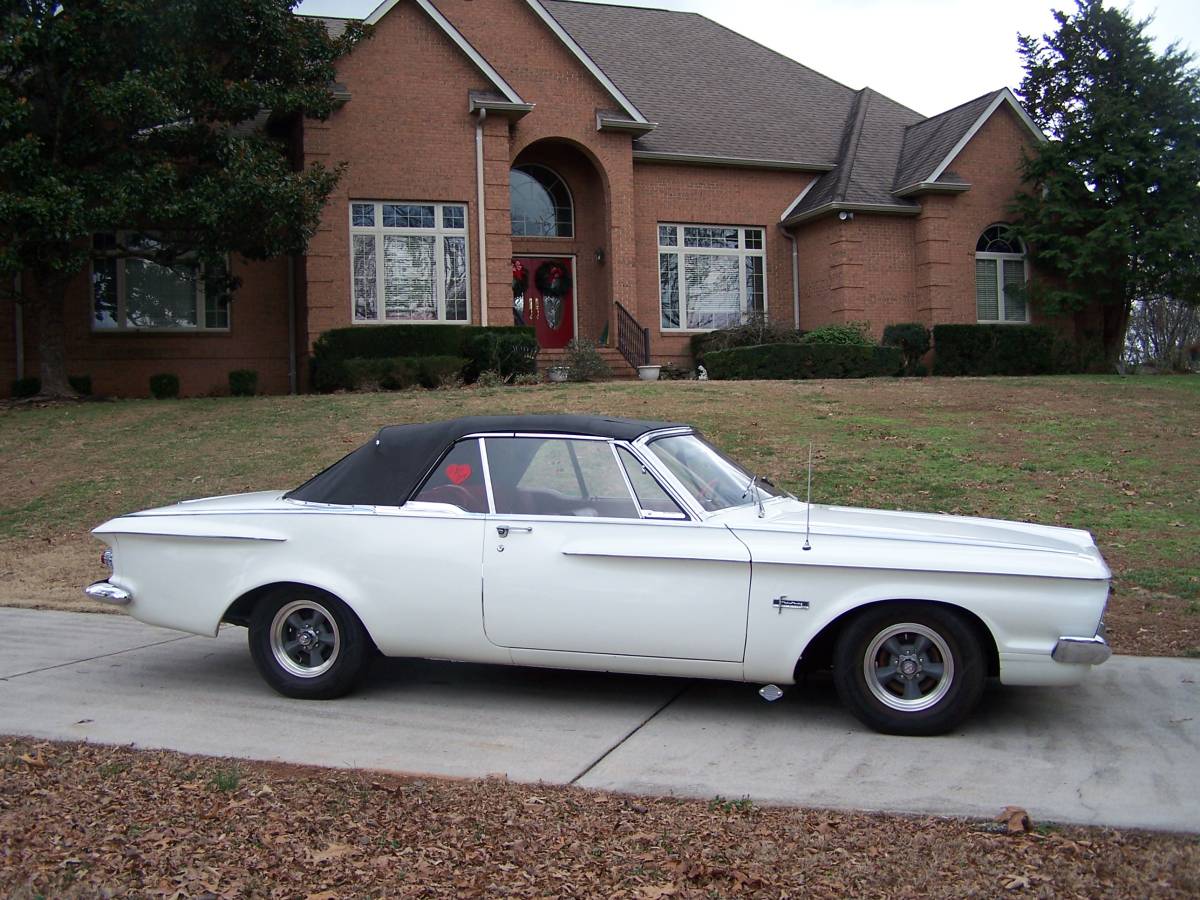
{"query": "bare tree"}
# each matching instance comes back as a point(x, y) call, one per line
point(1163, 332)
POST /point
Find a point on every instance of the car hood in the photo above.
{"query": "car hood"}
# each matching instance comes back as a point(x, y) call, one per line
point(908, 540)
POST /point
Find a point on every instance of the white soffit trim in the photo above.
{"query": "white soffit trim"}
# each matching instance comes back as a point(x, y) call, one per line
point(456, 36)
point(1005, 96)
point(588, 62)
point(804, 193)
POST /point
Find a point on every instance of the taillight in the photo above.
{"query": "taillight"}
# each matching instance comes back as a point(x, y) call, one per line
point(106, 558)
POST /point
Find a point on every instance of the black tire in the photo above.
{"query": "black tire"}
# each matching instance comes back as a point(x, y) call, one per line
point(308, 644)
point(927, 666)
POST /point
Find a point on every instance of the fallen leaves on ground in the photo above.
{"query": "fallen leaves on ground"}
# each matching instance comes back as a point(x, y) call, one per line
point(111, 821)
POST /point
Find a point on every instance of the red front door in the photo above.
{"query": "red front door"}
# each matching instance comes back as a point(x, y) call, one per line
point(544, 297)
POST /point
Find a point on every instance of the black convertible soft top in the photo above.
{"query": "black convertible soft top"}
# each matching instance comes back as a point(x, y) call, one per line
point(388, 468)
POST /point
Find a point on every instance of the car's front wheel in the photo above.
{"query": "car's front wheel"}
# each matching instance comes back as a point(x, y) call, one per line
point(911, 669)
point(307, 644)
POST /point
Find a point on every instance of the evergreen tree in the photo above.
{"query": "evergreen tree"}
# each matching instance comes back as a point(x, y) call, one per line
point(1114, 210)
point(133, 116)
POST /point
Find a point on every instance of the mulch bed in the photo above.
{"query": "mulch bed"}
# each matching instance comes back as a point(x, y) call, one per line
point(81, 820)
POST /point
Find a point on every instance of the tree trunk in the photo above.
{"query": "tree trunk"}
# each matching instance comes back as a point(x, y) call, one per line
point(1115, 324)
point(52, 342)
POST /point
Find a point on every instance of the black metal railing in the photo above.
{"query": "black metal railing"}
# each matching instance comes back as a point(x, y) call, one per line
point(632, 339)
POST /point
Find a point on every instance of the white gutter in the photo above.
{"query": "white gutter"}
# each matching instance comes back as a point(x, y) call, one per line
point(481, 218)
point(795, 276)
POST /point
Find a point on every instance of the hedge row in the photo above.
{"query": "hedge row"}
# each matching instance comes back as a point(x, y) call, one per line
point(994, 350)
point(506, 349)
point(387, 373)
point(794, 361)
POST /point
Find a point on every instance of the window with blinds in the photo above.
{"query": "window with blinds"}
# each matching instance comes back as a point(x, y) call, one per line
point(1000, 278)
point(409, 262)
point(710, 276)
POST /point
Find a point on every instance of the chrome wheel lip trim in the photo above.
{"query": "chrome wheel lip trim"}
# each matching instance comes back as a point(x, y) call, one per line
point(279, 623)
point(890, 700)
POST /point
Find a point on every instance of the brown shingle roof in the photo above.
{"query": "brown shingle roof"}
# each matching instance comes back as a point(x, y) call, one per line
point(712, 91)
point(927, 142)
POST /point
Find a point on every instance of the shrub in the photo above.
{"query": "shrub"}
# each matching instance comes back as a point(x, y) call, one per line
point(526, 379)
point(505, 352)
point(439, 371)
point(585, 362)
point(29, 386)
point(395, 373)
point(752, 334)
point(913, 340)
point(164, 386)
point(243, 383)
point(81, 384)
point(993, 350)
point(392, 341)
point(490, 378)
point(794, 361)
point(852, 334)
point(672, 372)
point(331, 375)
point(386, 374)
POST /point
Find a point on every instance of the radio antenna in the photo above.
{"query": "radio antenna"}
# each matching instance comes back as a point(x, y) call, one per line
point(808, 505)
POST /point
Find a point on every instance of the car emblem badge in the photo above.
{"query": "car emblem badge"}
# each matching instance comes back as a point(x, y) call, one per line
point(782, 603)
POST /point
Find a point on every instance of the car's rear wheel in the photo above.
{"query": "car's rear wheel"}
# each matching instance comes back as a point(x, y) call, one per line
point(307, 644)
point(912, 669)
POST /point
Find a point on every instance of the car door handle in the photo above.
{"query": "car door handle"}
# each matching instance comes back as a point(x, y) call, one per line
point(505, 530)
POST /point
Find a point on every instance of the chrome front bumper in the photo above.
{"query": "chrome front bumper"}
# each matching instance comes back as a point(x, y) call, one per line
point(1081, 651)
point(106, 592)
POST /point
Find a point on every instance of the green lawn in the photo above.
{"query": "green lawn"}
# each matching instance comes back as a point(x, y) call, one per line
point(1113, 455)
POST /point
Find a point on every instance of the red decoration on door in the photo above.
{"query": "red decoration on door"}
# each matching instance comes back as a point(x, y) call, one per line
point(458, 473)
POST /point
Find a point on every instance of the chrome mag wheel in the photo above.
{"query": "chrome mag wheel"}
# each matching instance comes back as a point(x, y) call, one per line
point(305, 639)
point(908, 667)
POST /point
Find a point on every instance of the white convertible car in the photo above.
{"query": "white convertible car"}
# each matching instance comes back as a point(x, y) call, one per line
point(617, 545)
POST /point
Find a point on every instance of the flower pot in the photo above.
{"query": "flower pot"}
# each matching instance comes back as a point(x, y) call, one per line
point(558, 374)
point(649, 373)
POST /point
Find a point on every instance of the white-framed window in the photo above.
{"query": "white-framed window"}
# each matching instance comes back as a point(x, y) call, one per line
point(1000, 276)
point(710, 276)
point(131, 293)
point(540, 203)
point(408, 262)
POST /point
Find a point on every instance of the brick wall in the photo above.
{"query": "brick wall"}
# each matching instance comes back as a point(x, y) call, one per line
point(708, 195)
point(405, 135)
point(121, 363)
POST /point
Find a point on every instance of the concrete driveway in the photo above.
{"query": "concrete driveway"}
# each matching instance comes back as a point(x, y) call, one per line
point(1124, 750)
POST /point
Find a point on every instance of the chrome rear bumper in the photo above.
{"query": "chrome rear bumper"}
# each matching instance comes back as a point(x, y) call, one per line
point(106, 592)
point(1081, 651)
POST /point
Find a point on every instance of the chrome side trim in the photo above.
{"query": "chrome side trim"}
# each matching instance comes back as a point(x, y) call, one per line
point(1081, 650)
point(201, 537)
point(107, 592)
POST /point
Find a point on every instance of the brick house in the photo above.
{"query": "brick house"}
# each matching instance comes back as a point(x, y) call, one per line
point(592, 170)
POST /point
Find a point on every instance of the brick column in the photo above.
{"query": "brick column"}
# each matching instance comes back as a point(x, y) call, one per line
point(933, 282)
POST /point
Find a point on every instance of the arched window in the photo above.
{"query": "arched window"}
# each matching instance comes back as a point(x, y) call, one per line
point(1000, 277)
point(540, 203)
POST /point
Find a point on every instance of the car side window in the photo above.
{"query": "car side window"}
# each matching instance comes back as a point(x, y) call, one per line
point(557, 477)
point(651, 496)
point(457, 479)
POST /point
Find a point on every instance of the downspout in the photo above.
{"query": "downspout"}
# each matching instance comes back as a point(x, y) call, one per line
point(19, 327)
point(795, 276)
point(481, 219)
point(291, 318)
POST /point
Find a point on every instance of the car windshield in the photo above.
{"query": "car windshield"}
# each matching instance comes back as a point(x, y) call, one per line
point(716, 481)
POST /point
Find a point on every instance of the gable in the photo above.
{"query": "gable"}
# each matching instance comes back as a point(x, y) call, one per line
point(497, 81)
point(931, 146)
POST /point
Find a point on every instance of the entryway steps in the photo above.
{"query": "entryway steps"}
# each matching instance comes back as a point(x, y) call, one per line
point(611, 355)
